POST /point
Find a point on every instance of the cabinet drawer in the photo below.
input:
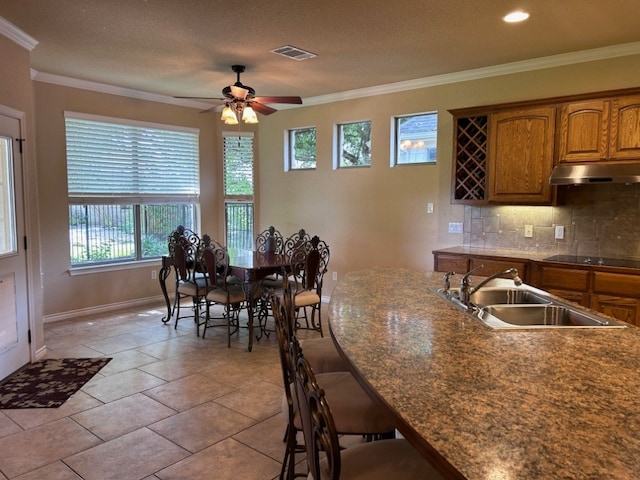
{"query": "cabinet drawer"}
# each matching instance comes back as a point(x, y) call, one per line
point(451, 263)
point(496, 266)
point(564, 278)
point(617, 284)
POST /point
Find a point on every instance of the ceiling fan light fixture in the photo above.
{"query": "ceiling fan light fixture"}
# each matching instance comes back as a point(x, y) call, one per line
point(229, 116)
point(249, 115)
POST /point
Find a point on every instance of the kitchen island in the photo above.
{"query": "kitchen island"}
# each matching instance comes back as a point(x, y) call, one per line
point(485, 404)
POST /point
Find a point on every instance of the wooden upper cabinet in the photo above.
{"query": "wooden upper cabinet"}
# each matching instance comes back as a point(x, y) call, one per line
point(584, 131)
point(521, 145)
point(625, 128)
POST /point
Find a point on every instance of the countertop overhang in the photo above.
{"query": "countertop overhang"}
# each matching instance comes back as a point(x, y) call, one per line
point(485, 404)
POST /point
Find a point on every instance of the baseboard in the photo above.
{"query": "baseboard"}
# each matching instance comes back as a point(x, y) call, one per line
point(71, 314)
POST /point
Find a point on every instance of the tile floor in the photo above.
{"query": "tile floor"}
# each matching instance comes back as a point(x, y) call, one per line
point(170, 405)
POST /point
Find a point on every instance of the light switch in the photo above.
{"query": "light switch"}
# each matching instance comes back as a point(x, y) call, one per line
point(559, 232)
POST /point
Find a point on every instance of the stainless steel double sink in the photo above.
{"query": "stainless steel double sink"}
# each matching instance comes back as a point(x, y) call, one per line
point(525, 307)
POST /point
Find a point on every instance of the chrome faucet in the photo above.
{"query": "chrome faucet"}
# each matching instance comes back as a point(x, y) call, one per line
point(447, 282)
point(466, 290)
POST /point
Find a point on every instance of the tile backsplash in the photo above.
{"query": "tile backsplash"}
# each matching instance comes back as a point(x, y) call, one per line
point(598, 220)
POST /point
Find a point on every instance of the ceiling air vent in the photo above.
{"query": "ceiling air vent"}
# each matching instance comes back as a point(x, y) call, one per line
point(294, 53)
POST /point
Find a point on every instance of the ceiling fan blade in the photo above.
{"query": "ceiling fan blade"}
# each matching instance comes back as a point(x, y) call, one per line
point(263, 109)
point(296, 100)
point(204, 98)
point(239, 92)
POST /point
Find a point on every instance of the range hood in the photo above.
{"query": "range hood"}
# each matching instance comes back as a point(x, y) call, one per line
point(595, 173)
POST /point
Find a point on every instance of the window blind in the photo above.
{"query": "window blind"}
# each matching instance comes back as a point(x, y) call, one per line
point(238, 164)
point(130, 161)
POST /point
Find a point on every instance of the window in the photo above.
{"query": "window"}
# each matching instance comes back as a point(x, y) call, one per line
point(414, 139)
point(300, 149)
point(130, 184)
point(238, 189)
point(354, 144)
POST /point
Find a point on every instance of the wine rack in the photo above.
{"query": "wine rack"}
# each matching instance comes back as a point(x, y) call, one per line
point(470, 167)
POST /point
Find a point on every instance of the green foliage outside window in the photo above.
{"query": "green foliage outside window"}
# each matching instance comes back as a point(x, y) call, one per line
point(303, 148)
point(355, 144)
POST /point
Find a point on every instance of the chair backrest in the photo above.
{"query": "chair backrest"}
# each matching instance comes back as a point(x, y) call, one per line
point(183, 245)
point(216, 264)
point(318, 427)
point(281, 305)
point(295, 241)
point(309, 263)
point(270, 241)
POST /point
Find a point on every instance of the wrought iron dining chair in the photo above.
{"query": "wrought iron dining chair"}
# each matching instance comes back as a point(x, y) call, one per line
point(326, 459)
point(309, 263)
point(269, 241)
point(191, 282)
point(355, 412)
point(222, 291)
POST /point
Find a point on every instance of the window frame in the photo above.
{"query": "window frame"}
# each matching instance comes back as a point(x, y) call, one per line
point(137, 197)
point(337, 144)
point(395, 139)
point(236, 200)
point(289, 144)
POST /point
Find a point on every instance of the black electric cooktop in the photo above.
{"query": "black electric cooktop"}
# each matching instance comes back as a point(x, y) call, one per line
point(590, 260)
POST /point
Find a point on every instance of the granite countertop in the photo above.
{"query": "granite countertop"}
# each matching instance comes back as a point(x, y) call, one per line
point(487, 404)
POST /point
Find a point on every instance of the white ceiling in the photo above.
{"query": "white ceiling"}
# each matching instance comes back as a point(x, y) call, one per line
point(187, 47)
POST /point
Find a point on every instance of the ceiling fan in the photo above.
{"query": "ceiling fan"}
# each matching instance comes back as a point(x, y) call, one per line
point(241, 100)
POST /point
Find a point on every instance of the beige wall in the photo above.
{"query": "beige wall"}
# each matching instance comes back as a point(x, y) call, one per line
point(16, 92)
point(377, 215)
point(64, 293)
point(369, 216)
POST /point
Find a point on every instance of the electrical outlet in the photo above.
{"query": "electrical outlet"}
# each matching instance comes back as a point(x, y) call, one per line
point(153, 274)
point(429, 207)
point(559, 232)
point(335, 275)
point(528, 231)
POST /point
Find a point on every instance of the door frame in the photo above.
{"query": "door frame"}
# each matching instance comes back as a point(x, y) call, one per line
point(30, 214)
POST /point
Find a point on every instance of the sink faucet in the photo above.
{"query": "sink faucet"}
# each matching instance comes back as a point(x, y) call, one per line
point(466, 290)
point(447, 282)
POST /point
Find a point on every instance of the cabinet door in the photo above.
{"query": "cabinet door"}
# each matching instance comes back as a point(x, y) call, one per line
point(625, 128)
point(584, 131)
point(521, 155)
point(625, 309)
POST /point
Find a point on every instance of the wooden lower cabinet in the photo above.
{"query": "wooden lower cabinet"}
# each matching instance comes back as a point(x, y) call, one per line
point(618, 295)
point(568, 283)
point(450, 263)
point(622, 308)
point(463, 263)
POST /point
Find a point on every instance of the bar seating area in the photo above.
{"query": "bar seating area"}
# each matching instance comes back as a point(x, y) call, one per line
point(309, 390)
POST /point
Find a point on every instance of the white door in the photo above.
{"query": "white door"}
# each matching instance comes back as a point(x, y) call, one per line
point(14, 319)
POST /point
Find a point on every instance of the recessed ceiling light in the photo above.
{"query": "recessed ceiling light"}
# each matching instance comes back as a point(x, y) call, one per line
point(514, 17)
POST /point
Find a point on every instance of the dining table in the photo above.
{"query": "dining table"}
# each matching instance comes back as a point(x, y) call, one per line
point(249, 266)
point(487, 404)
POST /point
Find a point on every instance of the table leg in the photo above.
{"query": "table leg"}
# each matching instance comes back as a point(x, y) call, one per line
point(250, 289)
point(164, 273)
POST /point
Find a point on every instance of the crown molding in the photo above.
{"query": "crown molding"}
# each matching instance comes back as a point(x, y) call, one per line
point(113, 90)
point(12, 32)
point(603, 53)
